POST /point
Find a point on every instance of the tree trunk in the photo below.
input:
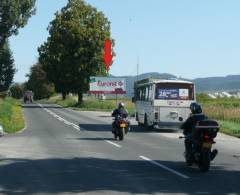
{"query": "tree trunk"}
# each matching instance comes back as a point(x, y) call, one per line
point(64, 95)
point(2, 42)
point(80, 98)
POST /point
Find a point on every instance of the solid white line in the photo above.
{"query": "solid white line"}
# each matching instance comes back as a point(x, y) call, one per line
point(164, 167)
point(66, 122)
point(40, 105)
point(77, 128)
point(60, 118)
point(113, 143)
point(73, 125)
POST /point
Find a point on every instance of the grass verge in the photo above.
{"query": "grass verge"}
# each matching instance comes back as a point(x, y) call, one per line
point(105, 105)
point(230, 128)
point(90, 104)
point(11, 115)
point(68, 102)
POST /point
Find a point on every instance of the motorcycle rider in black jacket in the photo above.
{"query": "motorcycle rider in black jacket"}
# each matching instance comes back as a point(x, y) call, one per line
point(188, 129)
point(120, 111)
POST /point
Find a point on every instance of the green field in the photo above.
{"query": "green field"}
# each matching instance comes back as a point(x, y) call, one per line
point(225, 110)
point(91, 104)
point(11, 116)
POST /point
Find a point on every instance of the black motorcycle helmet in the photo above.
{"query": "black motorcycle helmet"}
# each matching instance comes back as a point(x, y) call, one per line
point(195, 108)
point(121, 105)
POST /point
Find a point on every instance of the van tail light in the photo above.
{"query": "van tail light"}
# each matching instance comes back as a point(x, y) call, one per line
point(156, 116)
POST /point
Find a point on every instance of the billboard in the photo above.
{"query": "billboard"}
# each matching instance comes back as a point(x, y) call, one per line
point(172, 94)
point(107, 85)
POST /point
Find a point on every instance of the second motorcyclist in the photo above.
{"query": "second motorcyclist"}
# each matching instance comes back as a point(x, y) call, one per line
point(119, 112)
point(189, 128)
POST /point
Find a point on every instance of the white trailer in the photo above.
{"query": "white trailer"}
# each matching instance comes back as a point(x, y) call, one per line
point(163, 103)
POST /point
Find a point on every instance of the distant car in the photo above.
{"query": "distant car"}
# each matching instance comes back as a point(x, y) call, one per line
point(28, 97)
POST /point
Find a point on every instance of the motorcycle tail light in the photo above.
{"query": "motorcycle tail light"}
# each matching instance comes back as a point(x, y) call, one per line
point(206, 137)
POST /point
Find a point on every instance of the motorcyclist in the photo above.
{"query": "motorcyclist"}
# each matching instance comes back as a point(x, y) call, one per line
point(120, 111)
point(188, 129)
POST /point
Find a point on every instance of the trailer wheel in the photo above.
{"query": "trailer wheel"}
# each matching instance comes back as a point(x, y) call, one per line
point(146, 125)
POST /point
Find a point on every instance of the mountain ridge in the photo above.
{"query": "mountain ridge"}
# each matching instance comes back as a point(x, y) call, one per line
point(207, 84)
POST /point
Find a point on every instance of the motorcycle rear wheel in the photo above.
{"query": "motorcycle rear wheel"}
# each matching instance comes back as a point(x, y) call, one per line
point(204, 163)
point(115, 136)
point(121, 134)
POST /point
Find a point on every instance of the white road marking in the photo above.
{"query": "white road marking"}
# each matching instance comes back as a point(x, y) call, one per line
point(164, 167)
point(113, 143)
point(66, 122)
point(77, 128)
point(73, 125)
point(60, 118)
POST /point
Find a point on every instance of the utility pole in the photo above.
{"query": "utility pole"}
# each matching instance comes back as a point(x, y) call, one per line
point(137, 67)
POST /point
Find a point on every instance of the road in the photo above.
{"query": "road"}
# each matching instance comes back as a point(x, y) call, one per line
point(62, 151)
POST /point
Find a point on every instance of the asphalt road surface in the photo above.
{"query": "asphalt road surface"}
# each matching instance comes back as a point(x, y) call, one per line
point(70, 152)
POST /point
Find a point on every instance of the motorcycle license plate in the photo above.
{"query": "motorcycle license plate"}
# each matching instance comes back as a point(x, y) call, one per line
point(207, 145)
point(123, 125)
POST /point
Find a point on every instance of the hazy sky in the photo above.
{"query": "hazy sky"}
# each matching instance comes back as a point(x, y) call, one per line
point(186, 38)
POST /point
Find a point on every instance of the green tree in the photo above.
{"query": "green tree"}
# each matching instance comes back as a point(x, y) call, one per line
point(74, 50)
point(17, 90)
point(14, 14)
point(38, 83)
point(7, 69)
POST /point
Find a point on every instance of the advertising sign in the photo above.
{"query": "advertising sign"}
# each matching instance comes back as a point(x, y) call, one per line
point(172, 94)
point(107, 85)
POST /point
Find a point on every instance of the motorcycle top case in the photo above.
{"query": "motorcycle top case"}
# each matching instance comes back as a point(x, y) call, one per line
point(210, 126)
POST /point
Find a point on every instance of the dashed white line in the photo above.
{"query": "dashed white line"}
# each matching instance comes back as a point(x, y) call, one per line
point(60, 118)
point(164, 167)
point(77, 128)
point(66, 122)
point(116, 145)
point(113, 143)
point(73, 125)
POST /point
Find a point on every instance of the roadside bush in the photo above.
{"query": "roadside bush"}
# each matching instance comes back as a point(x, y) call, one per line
point(17, 90)
point(11, 116)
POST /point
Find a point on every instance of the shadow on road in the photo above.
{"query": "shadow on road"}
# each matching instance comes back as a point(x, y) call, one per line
point(95, 175)
point(96, 138)
point(27, 106)
point(134, 128)
point(105, 116)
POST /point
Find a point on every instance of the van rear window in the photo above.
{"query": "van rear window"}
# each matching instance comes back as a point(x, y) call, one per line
point(174, 91)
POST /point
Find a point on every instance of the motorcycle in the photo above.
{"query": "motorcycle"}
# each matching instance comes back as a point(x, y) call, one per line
point(202, 141)
point(121, 127)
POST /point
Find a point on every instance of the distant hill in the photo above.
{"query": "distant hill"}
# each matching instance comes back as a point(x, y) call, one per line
point(227, 83)
point(209, 84)
point(131, 79)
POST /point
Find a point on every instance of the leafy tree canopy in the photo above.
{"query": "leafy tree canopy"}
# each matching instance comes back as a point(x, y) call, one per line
point(74, 50)
point(38, 83)
point(17, 90)
point(7, 68)
point(14, 14)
